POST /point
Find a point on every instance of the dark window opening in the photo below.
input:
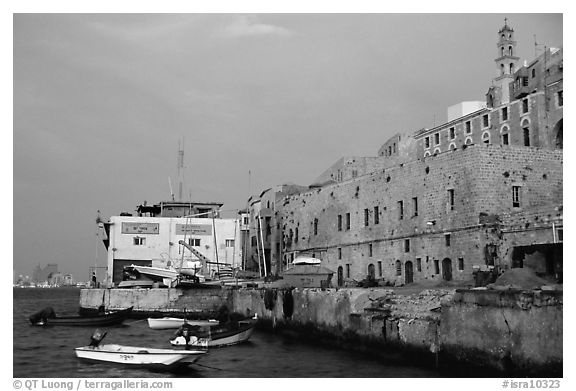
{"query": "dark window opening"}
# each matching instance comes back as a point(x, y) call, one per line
point(376, 215)
point(415, 205)
point(460, 263)
point(447, 240)
point(452, 133)
point(505, 114)
point(370, 250)
point(379, 268)
point(526, 137)
point(315, 226)
point(339, 253)
point(436, 266)
point(347, 221)
point(437, 138)
point(406, 245)
point(400, 210)
point(347, 270)
point(451, 199)
point(515, 196)
point(398, 268)
point(419, 264)
point(366, 217)
point(505, 140)
point(339, 222)
point(427, 142)
point(485, 120)
point(524, 106)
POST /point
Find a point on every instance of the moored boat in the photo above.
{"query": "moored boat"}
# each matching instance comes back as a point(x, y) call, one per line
point(174, 323)
point(163, 359)
point(43, 318)
point(231, 333)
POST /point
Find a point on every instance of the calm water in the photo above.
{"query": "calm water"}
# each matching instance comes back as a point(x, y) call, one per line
point(49, 352)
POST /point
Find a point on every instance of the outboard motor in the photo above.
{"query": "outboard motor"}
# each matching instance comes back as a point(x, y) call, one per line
point(97, 337)
point(41, 317)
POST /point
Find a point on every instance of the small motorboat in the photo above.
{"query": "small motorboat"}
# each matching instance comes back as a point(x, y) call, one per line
point(161, 359)
point(174, 323)
point(231, 333)
point(47, 317)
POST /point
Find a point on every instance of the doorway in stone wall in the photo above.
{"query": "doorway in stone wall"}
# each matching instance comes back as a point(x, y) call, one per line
point(409, 272)
point(340, 276)
point(447, 269)
point(371, 272)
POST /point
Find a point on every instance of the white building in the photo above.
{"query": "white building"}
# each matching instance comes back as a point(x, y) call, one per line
point(151, 238)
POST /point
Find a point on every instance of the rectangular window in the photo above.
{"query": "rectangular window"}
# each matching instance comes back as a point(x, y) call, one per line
point(253, 241)
point(524, 106)
point(354, 173)
point(370, 250)
point(366, 217)
point(347, 221)
point(339, 253)
point(229, 242)
point(376, 215)
point(515, 196)
point(525, 81)
point(436, 266)
point(504, 113)
point(447, 240)
point(427, 142)
point(406, 245)
point(400, 210)
point(380, 268)
point(560, 234)
point(452, 133)
point(398, 268)
point(347, 270)
point(246, 220)
point(196, 242)
point(460, 264)
point(485, 121)
point(560, 98)
point(437, 139)
point(419, 264)
point(451, 199)
point(468, 125)
point(339, 222)
point(415, 206)
point(139, 241)
point(315, 226)
point(526, 137)
point(296, 235)
point(505, 140)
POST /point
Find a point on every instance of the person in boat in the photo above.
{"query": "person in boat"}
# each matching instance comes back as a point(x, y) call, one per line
point(42, 316)
point(188, 332)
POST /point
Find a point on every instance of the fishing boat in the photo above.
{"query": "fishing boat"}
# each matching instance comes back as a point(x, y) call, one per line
point(231, 333)
point(46, 317)
point(174, 323)
point(163, 359)
point(156, 273)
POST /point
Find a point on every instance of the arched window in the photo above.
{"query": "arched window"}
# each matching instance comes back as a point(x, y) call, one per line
point(468, 141)
point(452, 146)
point(427, 153)
point(511, 68)
point(486, 137)
point(509, 50)
point(502, 51)
point(502, 69)
point(436, 151)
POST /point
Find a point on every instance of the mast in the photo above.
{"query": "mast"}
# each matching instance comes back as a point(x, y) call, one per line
point(180, 168)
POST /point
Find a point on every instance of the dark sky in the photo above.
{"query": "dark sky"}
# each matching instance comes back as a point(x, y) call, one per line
point(102, 100)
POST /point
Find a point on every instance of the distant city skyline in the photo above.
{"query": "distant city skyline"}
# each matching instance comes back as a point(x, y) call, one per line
point(102, 100)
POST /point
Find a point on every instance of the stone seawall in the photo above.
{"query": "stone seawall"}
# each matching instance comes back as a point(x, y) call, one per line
point(163, 301)
point(485, 332)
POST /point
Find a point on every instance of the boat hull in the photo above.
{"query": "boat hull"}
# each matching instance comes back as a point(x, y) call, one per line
point(110, 319)
point(156, 273)
point(219, 338)
point(139, 356)
point(174, 323)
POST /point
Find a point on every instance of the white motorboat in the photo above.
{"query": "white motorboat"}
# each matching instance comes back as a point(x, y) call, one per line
point(156, 273)
point(165, 359)
point(133, 355)
point(174, 323)
point(306, 261)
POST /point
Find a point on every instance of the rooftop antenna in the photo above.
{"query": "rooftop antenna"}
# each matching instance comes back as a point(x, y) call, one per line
point(180, 168)
point(171, 191)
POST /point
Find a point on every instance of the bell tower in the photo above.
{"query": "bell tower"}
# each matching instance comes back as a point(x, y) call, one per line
point(506, 61)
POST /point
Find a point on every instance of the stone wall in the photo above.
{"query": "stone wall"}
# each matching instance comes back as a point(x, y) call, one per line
point(481, 178)
point(517, 332)
point(157, 300)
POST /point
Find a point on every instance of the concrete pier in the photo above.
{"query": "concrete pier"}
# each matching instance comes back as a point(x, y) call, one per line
point(486, 332)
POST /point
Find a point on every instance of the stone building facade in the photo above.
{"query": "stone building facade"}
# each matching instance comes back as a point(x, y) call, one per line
point(481, 191)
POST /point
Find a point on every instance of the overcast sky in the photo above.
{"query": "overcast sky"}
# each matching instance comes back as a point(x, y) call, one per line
point(101, 101)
